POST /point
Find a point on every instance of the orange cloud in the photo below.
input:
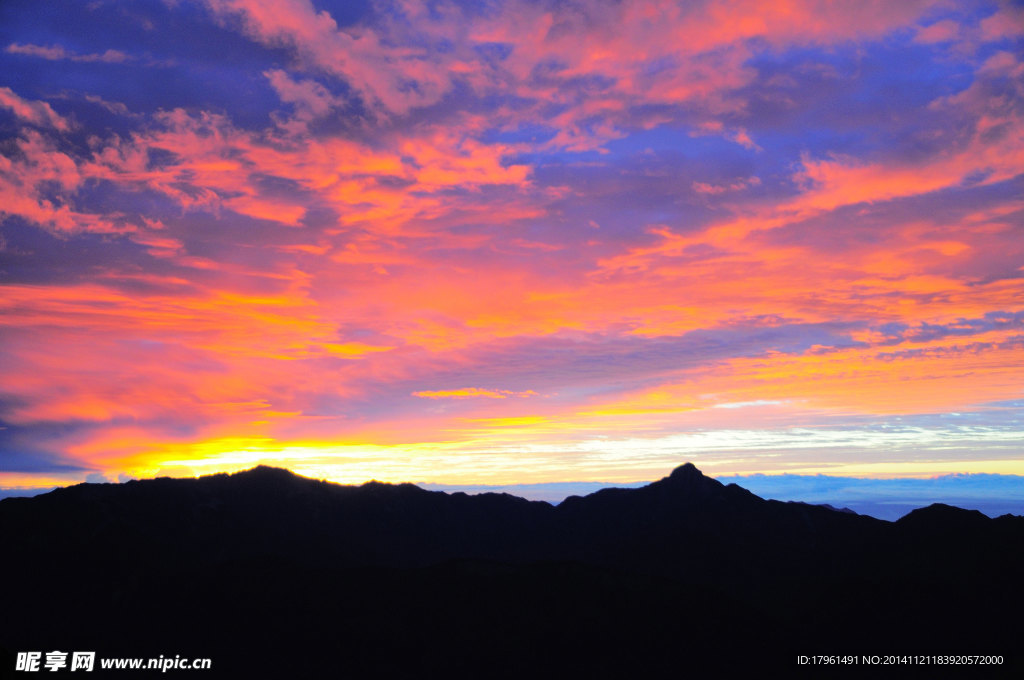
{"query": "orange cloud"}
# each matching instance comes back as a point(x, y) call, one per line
point(431, 198)
point(472, 393)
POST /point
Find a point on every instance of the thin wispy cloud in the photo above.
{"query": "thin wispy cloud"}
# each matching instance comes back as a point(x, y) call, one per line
point(57, 53)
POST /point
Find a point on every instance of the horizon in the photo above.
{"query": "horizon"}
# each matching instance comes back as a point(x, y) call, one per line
point(511, 243)
point(888, 499)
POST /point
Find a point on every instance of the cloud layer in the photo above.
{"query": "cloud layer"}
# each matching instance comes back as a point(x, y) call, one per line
point(511, 241)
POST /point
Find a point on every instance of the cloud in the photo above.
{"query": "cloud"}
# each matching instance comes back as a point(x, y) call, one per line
point(310, 100)
point(688, 227)
point(472, 393)
point(945, 30)
point(392, 78)
point(714, 189)
point(58, 53)
point(37, 181)
point(588, 71)
point(1006, 22)
point(37, 113)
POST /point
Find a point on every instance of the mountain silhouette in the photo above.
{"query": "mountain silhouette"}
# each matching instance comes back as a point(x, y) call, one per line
point(274, 575)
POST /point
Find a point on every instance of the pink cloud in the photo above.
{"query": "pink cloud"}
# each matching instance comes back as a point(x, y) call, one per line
point(1007, 22)
point(28, 178)
point(380, 73)
point(33, 112)
point(714, 189)
point(58, 53)
point(645, 53)
point(946, 30)
point(310, 99)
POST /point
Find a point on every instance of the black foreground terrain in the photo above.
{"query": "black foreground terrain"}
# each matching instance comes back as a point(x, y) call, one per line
point(271, 575)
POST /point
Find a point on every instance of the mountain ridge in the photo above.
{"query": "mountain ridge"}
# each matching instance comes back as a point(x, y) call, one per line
point(685, 560)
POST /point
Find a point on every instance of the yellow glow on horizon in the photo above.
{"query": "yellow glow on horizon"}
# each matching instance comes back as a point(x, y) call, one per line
point(530, 450)
point(321, 463)
point(22, 480)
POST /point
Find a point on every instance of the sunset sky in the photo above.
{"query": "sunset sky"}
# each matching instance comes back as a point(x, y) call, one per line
point(510, 242)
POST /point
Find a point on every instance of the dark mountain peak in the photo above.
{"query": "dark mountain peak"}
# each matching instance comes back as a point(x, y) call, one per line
point(687, 480)
point(264, 479)
point(686, 471)
point(823, 506)
point(267, 472)
point(828, 506)
point(405, 490)
point(686, 487)
point(377, 484)
point(940, 515)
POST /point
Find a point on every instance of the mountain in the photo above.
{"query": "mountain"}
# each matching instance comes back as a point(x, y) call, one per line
point(274, 575)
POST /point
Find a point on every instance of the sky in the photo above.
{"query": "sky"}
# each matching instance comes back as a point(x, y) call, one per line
point(511, 242)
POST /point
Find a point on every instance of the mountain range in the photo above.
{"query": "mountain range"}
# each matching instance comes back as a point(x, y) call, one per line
point(274, 575)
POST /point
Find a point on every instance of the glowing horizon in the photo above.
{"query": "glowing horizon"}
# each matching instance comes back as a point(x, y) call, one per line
point(511, 242)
